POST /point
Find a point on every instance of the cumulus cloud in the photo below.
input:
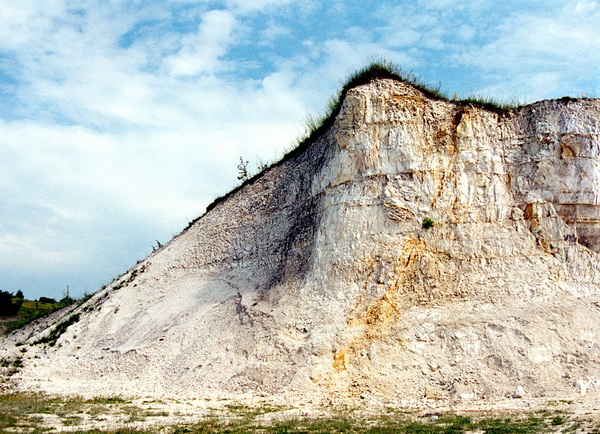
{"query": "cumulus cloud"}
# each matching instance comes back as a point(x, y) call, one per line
point(110, 143)
point(23, 22)
point(272, 32)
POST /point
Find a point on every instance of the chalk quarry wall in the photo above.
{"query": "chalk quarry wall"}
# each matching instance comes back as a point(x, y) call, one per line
point(318, 280)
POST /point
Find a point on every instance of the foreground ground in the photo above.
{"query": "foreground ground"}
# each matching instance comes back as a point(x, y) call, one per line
point(29, 412)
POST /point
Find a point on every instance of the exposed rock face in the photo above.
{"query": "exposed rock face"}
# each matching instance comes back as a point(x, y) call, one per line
point(320, 279)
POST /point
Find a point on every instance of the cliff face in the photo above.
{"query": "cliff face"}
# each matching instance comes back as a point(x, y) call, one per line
point(319, 278)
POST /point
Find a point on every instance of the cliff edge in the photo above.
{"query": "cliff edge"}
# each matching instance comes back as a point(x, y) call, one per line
point(417, 249)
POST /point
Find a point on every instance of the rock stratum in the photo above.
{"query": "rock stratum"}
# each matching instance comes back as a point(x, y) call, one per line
point(317, 280)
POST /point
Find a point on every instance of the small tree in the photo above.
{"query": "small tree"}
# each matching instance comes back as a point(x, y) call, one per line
point(19, 294)
point(67, 299)
point(8, 306)
point(242, 167)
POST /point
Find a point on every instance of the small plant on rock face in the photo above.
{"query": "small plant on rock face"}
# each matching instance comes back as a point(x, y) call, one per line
point(427, 223)
point(158, 246)
point(243, 174)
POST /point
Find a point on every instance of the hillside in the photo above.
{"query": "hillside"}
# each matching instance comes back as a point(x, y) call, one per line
point(415, 249)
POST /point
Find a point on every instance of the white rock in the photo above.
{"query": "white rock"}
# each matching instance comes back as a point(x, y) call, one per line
point(284, 287)
point(519, 392)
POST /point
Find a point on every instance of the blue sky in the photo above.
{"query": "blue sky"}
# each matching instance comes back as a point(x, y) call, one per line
point(121, 120)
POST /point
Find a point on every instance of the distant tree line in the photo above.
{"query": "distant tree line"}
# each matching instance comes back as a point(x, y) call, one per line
point(10, 303)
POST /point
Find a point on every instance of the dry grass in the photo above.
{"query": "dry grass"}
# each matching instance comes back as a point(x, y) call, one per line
point(36, 413)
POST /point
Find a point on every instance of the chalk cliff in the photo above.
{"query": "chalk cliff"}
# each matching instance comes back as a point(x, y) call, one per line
point(319, 278)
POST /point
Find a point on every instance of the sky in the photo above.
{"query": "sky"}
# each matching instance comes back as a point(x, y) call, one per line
point(121, 120)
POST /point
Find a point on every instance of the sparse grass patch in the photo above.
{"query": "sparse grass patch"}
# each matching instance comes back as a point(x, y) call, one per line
point(108, 401)
point(488, 103)
point(10, 366)
point(25, 410)
point(253, 410)
point(30, 412)
point(445, 423)
point(57, 331)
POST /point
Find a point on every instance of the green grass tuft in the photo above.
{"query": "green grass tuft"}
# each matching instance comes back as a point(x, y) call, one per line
point(487, 102)
point(380, 69)
point(427, 223)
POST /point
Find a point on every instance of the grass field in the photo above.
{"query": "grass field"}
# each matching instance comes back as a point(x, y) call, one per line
point(37, 413)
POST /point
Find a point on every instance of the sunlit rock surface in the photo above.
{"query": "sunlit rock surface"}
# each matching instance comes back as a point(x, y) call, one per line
point(318, 280)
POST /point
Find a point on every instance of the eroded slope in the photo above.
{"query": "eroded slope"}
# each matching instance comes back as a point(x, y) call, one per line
point(319, 279)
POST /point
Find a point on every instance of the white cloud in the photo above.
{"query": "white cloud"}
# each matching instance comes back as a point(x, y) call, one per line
point(466, 32)
point(253, 5)
point(453, 5)
point(23, 21)
point(116, 145)
point(200, 52)
point(272, 32)
point(538, 52)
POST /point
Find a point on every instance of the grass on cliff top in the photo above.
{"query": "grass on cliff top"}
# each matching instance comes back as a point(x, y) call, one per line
point(383, 69)
point(36, 413)
point(380, 69)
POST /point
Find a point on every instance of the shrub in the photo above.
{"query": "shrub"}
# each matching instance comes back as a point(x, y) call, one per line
point(8, 305)
point(428, 223)
point(46, 300)
point(29, 312)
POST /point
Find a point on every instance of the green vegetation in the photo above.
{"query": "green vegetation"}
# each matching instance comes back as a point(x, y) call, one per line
point(427, 223)
point(488, 103)
point(47, 300)
point(11, 366)
point(132, 276)
point(158, 246)
point(9, 304)
point(58, 329)
point(374, 71)
point(242, 167)
point(382, 69)
point(31, 310)
point(28, 412)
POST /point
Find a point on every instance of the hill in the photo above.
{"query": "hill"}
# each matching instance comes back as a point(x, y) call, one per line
point(413, 249)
